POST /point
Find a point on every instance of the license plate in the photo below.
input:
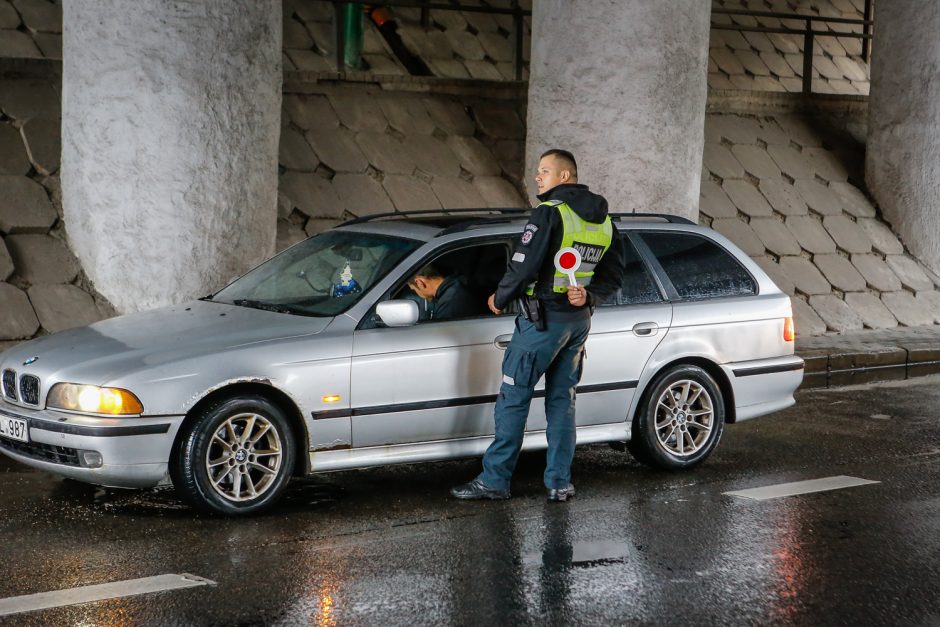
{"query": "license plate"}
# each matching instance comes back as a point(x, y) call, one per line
point(14, 428)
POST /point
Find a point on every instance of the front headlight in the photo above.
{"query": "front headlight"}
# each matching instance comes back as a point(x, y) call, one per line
point(93, 399)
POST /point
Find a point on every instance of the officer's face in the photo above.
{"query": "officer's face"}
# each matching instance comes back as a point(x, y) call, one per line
point(550, 174)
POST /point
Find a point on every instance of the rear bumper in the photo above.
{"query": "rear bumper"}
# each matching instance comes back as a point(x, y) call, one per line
point(763, 386)
point(134, 452)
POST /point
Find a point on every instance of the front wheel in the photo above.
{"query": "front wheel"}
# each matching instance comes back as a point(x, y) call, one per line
point(235, 457)
point(680, 419)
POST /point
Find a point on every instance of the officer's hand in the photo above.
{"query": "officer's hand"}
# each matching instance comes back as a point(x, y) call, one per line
point(577, 295)
point(491, 303)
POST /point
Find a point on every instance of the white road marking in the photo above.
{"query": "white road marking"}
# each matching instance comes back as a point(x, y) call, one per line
point(100, 592)
point(800, 487)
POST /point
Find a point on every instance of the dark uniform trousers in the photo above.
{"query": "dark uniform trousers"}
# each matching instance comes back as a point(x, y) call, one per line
point(558, 353)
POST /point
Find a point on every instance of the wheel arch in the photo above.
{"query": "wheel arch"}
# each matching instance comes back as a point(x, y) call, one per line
point(272, 394)
point(709, 366)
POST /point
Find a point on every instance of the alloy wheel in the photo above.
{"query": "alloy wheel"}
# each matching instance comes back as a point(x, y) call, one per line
point(244, 457)
point(685, 417)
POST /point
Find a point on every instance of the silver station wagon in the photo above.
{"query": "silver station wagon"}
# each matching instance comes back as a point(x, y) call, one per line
point(323, 359)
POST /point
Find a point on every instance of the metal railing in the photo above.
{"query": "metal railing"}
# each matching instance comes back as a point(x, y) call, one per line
point(808, 32)
point(516, 11)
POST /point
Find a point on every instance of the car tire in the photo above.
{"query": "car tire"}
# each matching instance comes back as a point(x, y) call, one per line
point(679, 420)
point(235, 457)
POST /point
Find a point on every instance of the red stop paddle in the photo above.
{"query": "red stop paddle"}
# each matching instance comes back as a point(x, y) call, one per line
point(567, 261)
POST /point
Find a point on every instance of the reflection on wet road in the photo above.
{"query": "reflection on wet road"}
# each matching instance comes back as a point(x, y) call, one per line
point(636, 546)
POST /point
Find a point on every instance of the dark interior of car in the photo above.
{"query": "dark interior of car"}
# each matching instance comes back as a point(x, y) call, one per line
point(482, 266)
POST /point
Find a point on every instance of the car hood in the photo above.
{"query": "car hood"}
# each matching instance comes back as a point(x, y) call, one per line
point(101, 351)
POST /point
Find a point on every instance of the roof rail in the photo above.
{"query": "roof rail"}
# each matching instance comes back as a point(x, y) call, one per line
point(471, 222)
point(437, 212)
point(671, 219)
point(477, 216)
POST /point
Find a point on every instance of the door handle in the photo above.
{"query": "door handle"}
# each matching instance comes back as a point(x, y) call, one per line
point(502, 341)
point(645, 329)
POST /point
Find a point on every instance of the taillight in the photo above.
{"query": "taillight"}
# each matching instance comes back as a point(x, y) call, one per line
point(789, 333)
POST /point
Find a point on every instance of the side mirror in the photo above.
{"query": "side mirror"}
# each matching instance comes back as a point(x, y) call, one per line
point(397, 313)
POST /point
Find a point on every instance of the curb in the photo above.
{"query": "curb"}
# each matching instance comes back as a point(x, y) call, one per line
point(826, 368)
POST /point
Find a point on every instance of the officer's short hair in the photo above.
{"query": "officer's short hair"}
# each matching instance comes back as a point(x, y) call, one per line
point(566, 158)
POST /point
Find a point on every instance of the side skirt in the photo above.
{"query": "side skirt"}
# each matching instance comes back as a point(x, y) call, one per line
point(325, 461)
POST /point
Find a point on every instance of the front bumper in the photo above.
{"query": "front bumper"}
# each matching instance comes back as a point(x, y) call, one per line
point(135, 452)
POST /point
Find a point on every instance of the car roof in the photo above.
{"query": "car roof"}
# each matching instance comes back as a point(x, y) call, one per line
point(431, 224)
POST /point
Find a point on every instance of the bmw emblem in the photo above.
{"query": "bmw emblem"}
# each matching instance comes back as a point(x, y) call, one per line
point(31, 360)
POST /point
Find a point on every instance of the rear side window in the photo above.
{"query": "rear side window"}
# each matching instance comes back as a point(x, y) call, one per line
point(698, 267)
point(638, 286)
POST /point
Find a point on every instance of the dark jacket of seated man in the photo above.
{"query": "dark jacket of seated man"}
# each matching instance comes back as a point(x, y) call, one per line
point(450, 297)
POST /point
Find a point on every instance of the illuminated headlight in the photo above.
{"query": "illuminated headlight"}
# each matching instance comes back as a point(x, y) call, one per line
point(93, 399)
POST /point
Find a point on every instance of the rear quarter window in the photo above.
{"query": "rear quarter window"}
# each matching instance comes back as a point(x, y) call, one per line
point(698, 267)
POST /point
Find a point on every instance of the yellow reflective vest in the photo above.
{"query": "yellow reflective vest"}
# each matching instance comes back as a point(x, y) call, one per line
point(590, 239)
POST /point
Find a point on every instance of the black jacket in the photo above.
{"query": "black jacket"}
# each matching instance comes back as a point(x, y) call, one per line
point(534, 256)
point(455, 299)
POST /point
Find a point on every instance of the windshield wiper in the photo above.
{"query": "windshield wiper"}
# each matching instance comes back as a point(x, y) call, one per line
point(258, 304)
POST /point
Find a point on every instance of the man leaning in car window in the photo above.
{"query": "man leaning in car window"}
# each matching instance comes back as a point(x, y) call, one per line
point(449, 297)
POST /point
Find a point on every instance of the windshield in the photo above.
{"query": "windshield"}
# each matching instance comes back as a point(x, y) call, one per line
point(322, 276)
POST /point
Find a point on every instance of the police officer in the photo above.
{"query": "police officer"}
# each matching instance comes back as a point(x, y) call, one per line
point(550, 340)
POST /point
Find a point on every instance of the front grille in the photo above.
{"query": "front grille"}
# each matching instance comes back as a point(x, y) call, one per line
point(9, 384)
point(45, 452)
point(29, 389)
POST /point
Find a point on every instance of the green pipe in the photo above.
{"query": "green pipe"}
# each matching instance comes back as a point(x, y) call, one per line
point(352, 35)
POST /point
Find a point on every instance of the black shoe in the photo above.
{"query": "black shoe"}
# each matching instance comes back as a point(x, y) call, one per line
point(476, 490)
point(560, 495)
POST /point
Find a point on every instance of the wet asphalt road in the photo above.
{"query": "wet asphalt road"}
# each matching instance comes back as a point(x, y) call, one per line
point(387, 546)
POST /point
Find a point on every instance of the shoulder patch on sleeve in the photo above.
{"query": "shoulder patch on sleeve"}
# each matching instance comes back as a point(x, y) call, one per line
point(528, 233)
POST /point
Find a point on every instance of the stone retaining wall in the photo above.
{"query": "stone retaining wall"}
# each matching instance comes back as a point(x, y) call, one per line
point(30, 29)
point(349, 150)
point(457, 44)
point(774, 62)
point(789, 192)
point(42, 287)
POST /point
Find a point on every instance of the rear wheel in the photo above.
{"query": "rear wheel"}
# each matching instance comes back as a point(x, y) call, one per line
point(680, 419)
point(236, 457)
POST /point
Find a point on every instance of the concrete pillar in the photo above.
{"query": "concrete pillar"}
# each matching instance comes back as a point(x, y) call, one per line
point(623, 86)
point(902, 162)
point(170, 130)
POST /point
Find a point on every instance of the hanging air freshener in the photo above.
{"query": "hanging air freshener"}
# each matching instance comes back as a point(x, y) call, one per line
point(347, 284)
